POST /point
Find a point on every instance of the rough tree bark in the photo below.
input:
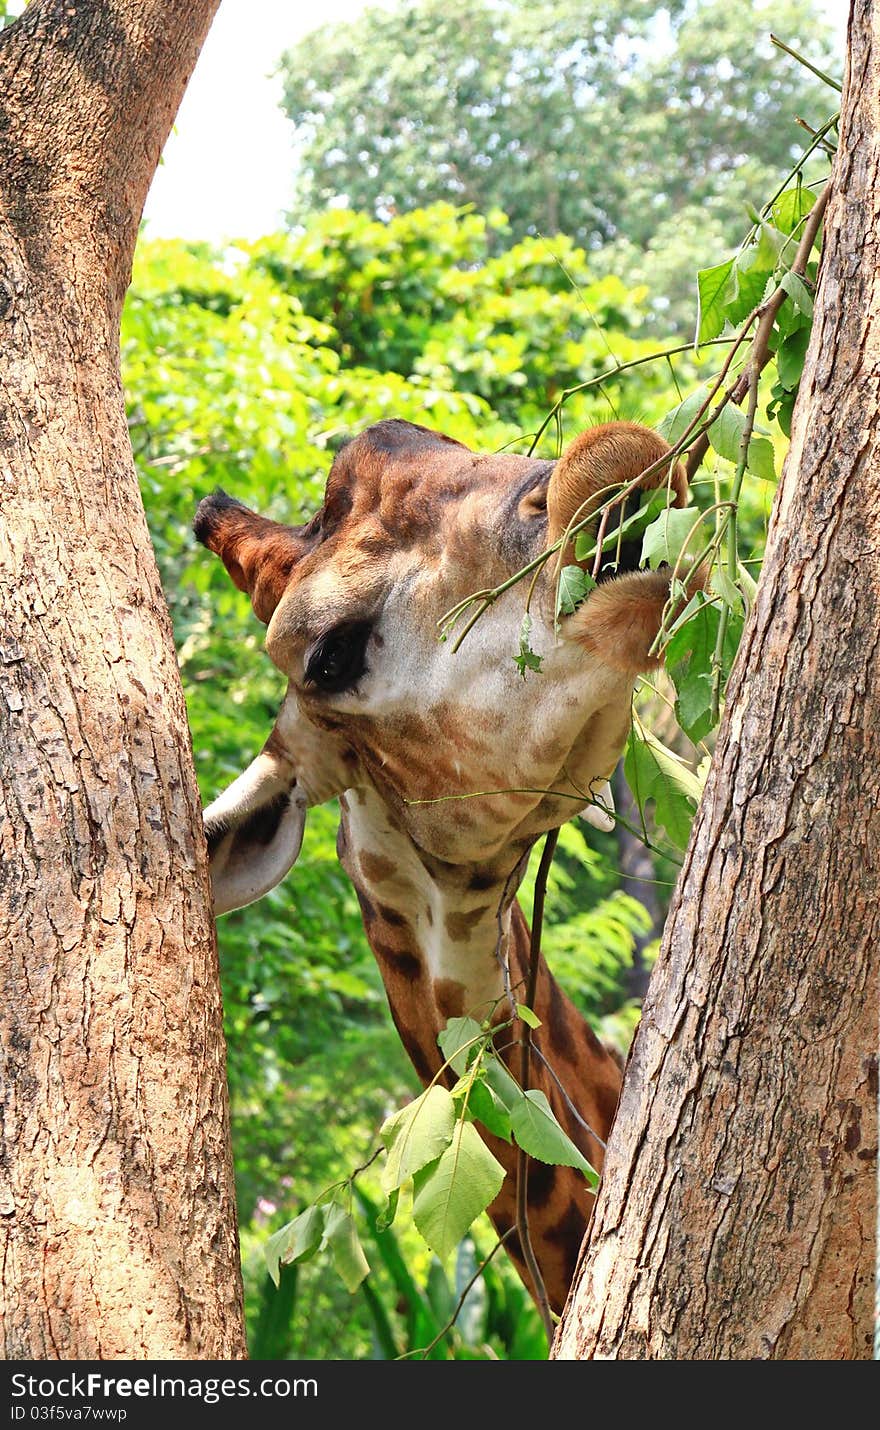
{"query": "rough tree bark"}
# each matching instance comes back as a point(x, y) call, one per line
point(117, 1222)
point(737, 1217)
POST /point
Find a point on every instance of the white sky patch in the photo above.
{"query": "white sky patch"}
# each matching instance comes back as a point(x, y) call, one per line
point(227, 169)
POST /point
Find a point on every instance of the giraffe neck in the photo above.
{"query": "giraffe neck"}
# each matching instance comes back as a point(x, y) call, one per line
point(449, 940)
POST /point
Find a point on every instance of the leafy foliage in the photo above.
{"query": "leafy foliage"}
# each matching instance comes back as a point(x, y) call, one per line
point(444, 298)
point(641, 128)
point(561, 118)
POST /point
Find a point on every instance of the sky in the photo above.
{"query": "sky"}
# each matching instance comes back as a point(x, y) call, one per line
point(226, 170)
point(227, 167)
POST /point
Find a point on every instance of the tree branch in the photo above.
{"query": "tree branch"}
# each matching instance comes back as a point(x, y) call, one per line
point(760, 353)
point(92, 94)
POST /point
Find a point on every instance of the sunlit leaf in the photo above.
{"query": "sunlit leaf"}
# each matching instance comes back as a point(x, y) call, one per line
point(528, 1015)
point(486, 1107)
point(713, 287)
point(665, 538)
point(340, 1234)
point(537, 1131)
point(791, 208)
point(726, 435)
point(573, 588)
point(459, 1040)
point(416, 1135)
point(676, 423)
point(297, 1241)
point(451, 1192)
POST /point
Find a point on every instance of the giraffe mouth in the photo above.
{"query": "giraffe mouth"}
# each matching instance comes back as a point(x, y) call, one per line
point(625, 557)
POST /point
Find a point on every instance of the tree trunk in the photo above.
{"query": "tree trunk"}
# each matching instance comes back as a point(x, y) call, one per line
point(737, 1216)
point(117, 1221)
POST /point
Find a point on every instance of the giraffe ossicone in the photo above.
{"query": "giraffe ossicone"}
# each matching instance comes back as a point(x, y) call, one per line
point(447, 764)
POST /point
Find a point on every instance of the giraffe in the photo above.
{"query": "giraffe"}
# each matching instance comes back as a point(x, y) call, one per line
point(385, 717)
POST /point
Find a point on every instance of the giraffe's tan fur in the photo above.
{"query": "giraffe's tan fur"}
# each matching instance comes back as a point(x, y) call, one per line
point(447, 764)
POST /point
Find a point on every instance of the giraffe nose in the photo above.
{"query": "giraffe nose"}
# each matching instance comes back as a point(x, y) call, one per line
point(598, 463)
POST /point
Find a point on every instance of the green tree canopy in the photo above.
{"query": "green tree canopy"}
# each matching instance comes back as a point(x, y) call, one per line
point(602, 119)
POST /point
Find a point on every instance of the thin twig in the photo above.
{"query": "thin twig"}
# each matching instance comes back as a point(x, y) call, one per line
point(824, 144)
point(802, 60)
point(614, 372)
point(554, 1074)
point(522, 1158)
point(794, 173)
point(580, 797)
point(511, 884)
point(425, 1351)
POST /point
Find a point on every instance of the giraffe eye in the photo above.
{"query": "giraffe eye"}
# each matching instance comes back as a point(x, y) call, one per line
point(338, 660)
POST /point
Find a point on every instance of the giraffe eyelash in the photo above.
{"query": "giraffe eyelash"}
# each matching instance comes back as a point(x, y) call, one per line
point(337, 661)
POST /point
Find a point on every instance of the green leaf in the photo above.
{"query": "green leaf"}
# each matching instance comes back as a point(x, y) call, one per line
point(693, 645)
point(725, 436)
point(459, 1041)
point(798, 292)
point(657, 774)
point(527, 1015)
point(500, 1081)
point(781, 406)
point(726, 432)
point(386, 1215)
point(486, 1106)
point(297, 1241)
point(761, 460)
point(753, 271)
point(791, 208)
point(340, 1234)
point(664, 539)
point(416, 1135)
point(790, 359)
point(675, 423)
point(526, 660)
point(573, 588)
point(713, 287)
point(725, 587)
point(689, 656)
point(451, 1192)
point(537, 1131)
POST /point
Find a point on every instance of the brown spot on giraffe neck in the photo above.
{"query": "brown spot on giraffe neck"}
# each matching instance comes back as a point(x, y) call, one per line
point(418, 1055)
point(449, 997)
point(406, 965)
point(436, 972)
point(460, 926)
point(391, 917)
point(376, 867)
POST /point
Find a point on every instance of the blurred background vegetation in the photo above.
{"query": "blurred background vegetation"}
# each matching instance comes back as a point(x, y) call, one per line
point(492, 203)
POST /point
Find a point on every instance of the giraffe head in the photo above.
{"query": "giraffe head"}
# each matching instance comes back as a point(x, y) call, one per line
point(466, 756)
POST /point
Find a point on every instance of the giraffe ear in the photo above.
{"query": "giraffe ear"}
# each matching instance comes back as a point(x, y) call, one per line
point(259, 554)
point(254, 831)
